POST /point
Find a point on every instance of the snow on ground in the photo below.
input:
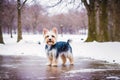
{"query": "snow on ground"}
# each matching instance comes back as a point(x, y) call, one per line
point(88, 70)
point(109, 51)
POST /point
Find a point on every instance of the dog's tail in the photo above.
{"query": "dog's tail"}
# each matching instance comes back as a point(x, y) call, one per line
point(69, 41)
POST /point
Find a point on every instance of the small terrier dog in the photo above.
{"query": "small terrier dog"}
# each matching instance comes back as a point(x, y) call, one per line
point(55, 49)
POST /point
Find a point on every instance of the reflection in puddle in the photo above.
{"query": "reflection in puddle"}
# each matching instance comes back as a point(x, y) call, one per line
point(57, 72)
point(34, 68)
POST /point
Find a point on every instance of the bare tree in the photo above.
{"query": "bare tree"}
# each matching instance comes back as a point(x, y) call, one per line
point(36, 11)
point(36, 18)
point(1, 11)
point(19, 8)
point(9, 16)
point(90, 7)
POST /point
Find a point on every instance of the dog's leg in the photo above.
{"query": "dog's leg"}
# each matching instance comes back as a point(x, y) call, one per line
point(49, 61)
point(63, 59)
point(70, 57)
point(55, 60)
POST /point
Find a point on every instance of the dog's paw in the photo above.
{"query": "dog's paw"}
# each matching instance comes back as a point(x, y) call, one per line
point(54, 65)
point(64, 65)
point(71, 63)
point(48, 64)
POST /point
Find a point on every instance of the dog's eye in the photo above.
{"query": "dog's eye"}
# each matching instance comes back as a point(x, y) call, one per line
point(47, 36)
point(53, 36)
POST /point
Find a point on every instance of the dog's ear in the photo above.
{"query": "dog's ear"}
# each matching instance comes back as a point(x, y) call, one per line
point(54, 30)
point(45, 31)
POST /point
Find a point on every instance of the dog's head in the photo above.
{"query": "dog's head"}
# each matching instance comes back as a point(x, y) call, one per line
point(50, 36)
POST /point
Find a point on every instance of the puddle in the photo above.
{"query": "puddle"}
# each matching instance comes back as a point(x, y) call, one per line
point(34, 68)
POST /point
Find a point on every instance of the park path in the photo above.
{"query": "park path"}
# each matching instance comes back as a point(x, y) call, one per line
point(34, 68)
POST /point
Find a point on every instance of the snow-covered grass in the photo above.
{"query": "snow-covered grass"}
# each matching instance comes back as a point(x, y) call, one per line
point(109, 51)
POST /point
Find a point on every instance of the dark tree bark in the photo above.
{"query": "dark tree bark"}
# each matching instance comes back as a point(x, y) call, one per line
point(91, 20)
point(103, 25)
point(11, 35)
point(19, 7)
point(1, 9)
point(19, 37)
point(116, 19)
point(102, 32)
point(1, 35)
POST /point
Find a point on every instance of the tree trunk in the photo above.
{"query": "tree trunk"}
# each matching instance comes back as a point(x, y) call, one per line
point(116, 19)
point(91, 26)
point(102, 32)
point(1, 35)
point(11, 26)
point(106, 26)
point(90, 7)
point(1, 10)
point(11, 32)
point(19, 21)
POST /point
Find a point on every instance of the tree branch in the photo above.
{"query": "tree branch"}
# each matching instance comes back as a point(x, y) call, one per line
point(55, 4)
point(23, 4)
point(78, 6)
point(86, 4)
point(72, 1)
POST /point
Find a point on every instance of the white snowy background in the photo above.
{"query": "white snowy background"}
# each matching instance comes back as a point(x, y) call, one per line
point(108, 51)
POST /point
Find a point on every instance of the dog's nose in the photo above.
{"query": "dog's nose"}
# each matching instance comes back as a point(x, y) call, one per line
point(49, 39)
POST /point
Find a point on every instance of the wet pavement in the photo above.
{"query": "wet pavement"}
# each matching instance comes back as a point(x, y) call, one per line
point(34, 68)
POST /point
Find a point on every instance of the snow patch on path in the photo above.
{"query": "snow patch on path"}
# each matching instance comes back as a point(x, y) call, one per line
point(89, 70)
